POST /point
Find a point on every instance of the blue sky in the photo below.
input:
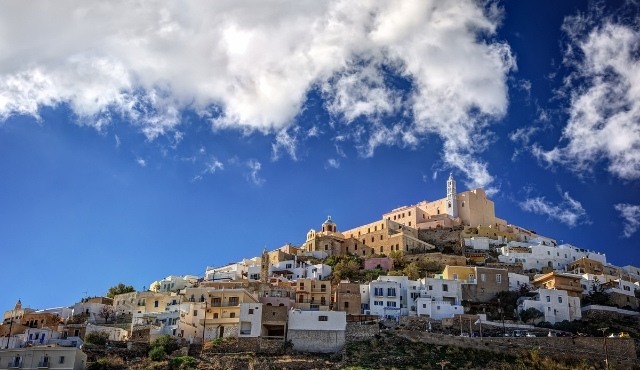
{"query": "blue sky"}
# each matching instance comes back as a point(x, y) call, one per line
point(147, 140)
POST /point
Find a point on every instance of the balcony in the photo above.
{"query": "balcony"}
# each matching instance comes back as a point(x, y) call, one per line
point(14, 365)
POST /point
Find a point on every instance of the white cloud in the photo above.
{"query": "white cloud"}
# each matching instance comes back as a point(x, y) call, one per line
point(141, 162)
point(332, 163)
point(250, 65)
point(604, 93)
point(117, 139)
point(287, 142)
point(569, 211)
point(212, 167)
point(254, 176)
point(631, 215)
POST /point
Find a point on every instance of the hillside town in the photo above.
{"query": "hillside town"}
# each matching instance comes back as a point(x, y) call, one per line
point(449, 266)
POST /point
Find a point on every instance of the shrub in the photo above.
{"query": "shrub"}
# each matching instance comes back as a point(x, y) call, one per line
point(107, 363)
point(97, 337)
point(157, 353)
point(167, 342)
point(183, 363)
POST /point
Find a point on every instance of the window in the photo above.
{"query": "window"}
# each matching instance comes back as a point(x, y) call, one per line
point(391, 292)
point(445, 287)
point(61, 361)
point(548, 299)
point(483, 277)
point(377, 303)
point(233, 301)
point(323, 301)
point(430, 287)
point(323, 288)
point(155, 304)
point(232, 315)
point(301, 285)
point(215, 315)
point(288, 265)
point(323, 318)
point(346, 304)
point(499, 278)
point(195, 312)
point(455, 276)
point(424, 305)
point(391, 304)
point(251, 311)
point(559, 299)
point(216, 302)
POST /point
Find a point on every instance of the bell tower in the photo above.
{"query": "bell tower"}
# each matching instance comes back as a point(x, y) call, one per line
point(264, 266)
point(452, 201)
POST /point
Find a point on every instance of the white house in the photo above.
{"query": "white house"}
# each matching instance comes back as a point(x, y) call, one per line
point(115, 333)
point(517, 281)
point(538, 255)
point(317, 331)
point(556, 305)
point(43, 357)
point(250, 320)
point(386, 298)
point(439, 298)
point(173, 283)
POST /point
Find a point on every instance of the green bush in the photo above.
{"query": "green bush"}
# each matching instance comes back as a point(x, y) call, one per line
point(183, 363)
point(157, 353)
point(97, 337)
point(107, 363)
point(167, 342)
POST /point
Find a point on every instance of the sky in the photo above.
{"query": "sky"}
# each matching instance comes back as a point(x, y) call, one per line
point(140, 140)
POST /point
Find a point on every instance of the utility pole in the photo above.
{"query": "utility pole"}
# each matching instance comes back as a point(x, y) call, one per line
point(606, 353)
point(442, 363)
point(10, 327)
point(204, 321)
point(501, 311)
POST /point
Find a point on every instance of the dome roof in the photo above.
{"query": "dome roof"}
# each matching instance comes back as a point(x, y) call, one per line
point(329, 221)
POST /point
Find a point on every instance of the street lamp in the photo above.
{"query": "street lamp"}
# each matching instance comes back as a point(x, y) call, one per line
point(606, 353)
point(501, 311)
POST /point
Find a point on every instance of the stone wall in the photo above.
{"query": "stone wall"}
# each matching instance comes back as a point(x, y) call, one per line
point(356, 331)
point(323, 341)
point(622, 351)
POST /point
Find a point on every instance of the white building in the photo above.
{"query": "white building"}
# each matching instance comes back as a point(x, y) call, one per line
point(43, 357)
point(536, 255)
point(517, 281)
point(317, 331)
point(388, 297)
point(556, 305)
point(115, 334)
point(250, 320)
point(438, 298)
point(174, 283)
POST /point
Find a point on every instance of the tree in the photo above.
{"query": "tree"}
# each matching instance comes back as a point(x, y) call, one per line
point(106, 312)
point(119, 289)
point(530, 314)
point(165, 344)
point(97, 338)
point(597, 295)
point(412, 271)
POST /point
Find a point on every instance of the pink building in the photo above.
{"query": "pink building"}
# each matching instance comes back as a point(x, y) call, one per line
point(384, 263)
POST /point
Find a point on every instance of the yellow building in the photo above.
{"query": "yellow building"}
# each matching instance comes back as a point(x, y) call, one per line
point(312, 294)
point(479, 284)
point(388, 236)
point(560, 281)
point(330, 242)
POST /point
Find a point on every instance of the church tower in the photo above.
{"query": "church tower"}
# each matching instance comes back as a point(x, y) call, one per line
point(452, 202)
point(329, 226)
point(264, 266)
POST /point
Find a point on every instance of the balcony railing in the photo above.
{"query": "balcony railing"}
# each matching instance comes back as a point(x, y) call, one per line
point(43, 364)
point(14, 365)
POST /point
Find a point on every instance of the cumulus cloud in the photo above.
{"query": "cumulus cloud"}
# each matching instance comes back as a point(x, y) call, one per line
point(604, 98)
point(569, 211)
point(141, 162)
point(254, 176)
point(250, 65)
point(630, 213)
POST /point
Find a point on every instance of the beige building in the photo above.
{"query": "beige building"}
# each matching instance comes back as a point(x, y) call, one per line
point(560, 281)
point(388, 236)
point(330, 242)
point(346, 297)
point(312, 294)
point(471, 207)
point(141, 302)
point(586, 266)
point(479, 284)
point(215, 312)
